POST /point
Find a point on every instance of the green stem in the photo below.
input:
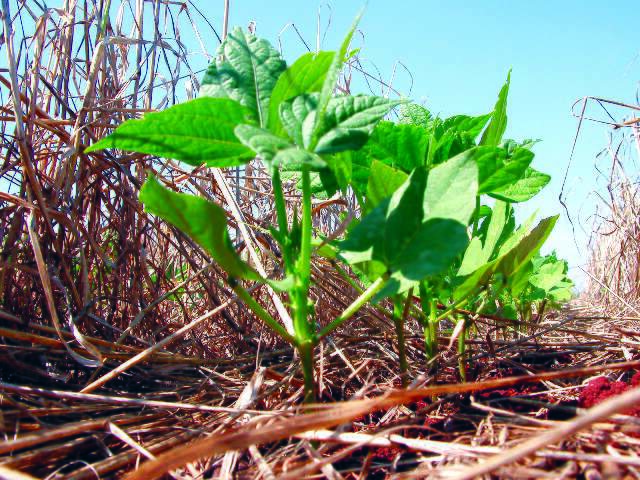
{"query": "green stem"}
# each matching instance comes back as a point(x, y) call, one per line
point(399, 316)
point(261, 313)
point(302, 325)
point(306, 358)
point(431, 330)
point(304, 262)
point(281, 215)
point(364, 297)
point(462, 347)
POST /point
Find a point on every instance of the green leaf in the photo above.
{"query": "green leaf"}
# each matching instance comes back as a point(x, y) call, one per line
point(297, 116)
point(414, 114)
point(496, 128)
point(513, 255)
point(330, 82)
point(195, 132)
point(400, 146)
point(549, 276)
point(497, 171)
point(246, 70)
point(479, 253)
point(204, 221)
point(349, 120)
point(276, 150)
point(421, 228)
point(452, 189)
point(523, 189)
point(261, 141)
point(519, 255)
point(472, 126)
point(306, 75)
point(519, 280)
point(383, 182)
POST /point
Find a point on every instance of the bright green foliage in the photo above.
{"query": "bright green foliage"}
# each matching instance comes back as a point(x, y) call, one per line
point(523, 189)
point(419, 183)
point(306, 75)
point(421, 229)
point(397, 145)
point(416, 115)
point(383, 182)
point(549, 279)
point(493, 134)
point(196, 132)
point(246, 71)
point(329, 85)
point(202, 220)
point(349, 121)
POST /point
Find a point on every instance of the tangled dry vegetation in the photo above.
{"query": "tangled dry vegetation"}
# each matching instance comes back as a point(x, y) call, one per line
point(120, 344)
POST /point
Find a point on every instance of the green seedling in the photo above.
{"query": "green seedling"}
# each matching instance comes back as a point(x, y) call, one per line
point(418, 181)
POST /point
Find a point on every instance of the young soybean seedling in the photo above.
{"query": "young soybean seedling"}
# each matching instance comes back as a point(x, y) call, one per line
point(251, 105)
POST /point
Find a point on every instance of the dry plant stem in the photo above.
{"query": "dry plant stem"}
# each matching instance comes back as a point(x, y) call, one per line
point(257, 432)
point(158, 346)
point(240, 220)
point(11, 474)
point(261, 313)
point(93, 398)
point(600, 412)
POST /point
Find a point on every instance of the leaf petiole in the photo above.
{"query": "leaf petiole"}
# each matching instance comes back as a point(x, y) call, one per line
point(367, 295)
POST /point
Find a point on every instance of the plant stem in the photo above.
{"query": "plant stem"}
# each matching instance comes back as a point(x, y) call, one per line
point(462, 346)
point(367, 295)
point(431, 331)
point(261, 313)
point(307, 360)
point(281, 215)
point(302, 324)
point(399, 316)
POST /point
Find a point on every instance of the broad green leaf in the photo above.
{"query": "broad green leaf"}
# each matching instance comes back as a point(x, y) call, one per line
point(479, 253)
point(452, 188)
point(421, 228)
point(276, 150)
point(497, 171)
point(204, 221)
point(297, 116)
point(513, 255)
point(246, 70)
point(474, 257)
point(340, 166)
point(523, 189)
point(430, 251)
point(349, 120)
point(306, 75)
point(519, 280)
point(261, 141)
point(519, 255)
point(496, 128)
point(400, 146)
point(195, 132)
point(414, 114)
point(383, 182)
point(464, 123)
point(293, 158)
point(549, 276)
point(330, 82)
point(497, 224)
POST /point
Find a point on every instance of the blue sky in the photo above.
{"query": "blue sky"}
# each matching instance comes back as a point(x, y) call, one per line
point(459, 54)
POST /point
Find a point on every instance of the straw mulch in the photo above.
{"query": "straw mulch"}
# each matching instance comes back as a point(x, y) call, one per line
point(123, 353)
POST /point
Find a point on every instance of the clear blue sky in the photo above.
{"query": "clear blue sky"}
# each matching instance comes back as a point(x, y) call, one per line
point(459, 54)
